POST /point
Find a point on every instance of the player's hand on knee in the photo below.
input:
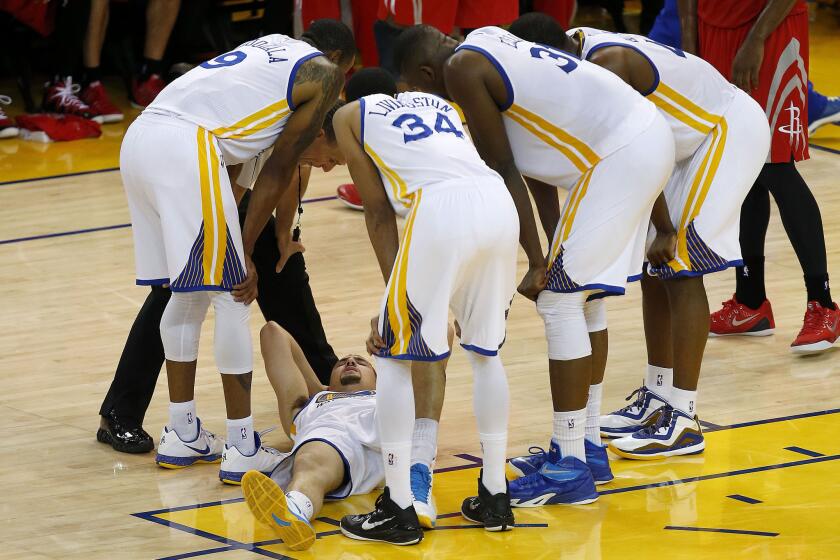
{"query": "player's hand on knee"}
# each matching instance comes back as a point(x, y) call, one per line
point(747, 64)
point(374, 342)
point(246, 292)
point(533, 283)
point(287, 247)
point(663, 249)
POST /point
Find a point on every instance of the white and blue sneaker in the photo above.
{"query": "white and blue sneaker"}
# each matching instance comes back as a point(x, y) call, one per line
point(268, 504)
point(424, 500)
point(829, 114)
point(235, 464)
point(634, 416)
point(175, 453)
point(673, 433)
point(568, 481)
point(596, 459)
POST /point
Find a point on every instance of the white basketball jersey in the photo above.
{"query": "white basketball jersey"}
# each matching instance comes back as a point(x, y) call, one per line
point(346, 411)
point(688, 91)
point(563, 115)
point(416, 140)
point(243, 97)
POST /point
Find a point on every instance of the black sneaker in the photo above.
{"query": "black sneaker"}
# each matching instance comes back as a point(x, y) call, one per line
point(493, 512)
point(387, 523)
point(123, 435)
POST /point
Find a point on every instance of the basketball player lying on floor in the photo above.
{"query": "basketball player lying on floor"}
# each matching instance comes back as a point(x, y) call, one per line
point(336, 450)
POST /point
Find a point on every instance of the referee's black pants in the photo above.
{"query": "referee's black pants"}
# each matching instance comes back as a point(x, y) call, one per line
point(285, 298)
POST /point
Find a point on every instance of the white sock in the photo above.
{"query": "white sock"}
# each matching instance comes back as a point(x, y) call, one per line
point(424, 441)
point(683, 400)
point(593, 414)
point(660, 380)
point(395, 418)
point(490, 404)
point(240, 434)
point(300, 504)
point(183, 420)
point(569, 430)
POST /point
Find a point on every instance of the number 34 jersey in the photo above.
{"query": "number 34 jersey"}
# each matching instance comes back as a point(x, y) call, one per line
point(392, 129)
point(562, 115)
point(243, 97)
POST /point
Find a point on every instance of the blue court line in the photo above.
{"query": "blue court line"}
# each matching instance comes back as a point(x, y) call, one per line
point(60, 176)
point(807, 452)
point(106, 228)
point(198, 553)
point(745, 499)
point(824, 148)
point(780, 419)
point(729, 531)
point(709, 426)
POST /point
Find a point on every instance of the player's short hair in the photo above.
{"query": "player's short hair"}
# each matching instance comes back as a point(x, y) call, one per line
point(329, 130)
point(538, 28)
point(330, 35)
point(368, 81)
point(410, 48)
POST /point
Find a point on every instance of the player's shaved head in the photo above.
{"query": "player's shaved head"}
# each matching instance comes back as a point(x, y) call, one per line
point(419, 54)
point(369, 81)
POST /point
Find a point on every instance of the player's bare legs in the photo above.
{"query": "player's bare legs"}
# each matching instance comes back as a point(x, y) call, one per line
point(237, 390)
point(95, 35)
point(160, 19)
point(180, 377)
point(318, 470)
point(689, 308)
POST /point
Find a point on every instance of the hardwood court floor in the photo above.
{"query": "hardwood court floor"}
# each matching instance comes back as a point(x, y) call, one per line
point(765, 488)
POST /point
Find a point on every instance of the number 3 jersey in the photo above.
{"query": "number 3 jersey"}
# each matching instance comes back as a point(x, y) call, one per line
point(417, 140)
point(562, 115)
point(243, 97)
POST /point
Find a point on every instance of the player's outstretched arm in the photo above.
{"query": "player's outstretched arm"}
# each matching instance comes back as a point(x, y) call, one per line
point(547, 201)
point(379, 214)
point(316, 88)
point(478, 89)
point(289, 373)
point(747, 62)
point(688, 24)
point(286, 213)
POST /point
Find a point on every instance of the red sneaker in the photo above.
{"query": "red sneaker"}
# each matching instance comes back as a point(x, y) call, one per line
point(60, 97)
point(348, 194)
point(96, 96)
point(143, 93)
point(820, 330)
point(735, 318)
point(7, 125)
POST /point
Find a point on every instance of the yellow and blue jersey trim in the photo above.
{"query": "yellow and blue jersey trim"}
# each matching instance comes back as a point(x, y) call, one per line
point(293, 74)
point(499, 68)
point(581, 37)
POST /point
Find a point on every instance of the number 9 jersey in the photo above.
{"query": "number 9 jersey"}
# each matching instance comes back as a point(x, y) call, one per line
point(562, 115)
point(243, 97)
point(391, 131)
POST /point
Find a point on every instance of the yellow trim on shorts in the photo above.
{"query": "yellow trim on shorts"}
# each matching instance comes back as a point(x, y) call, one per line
point(219, 212)
point(397, 290)
point(582, 156)
point(398, 186)
point(683, 109)
point(567, 219)
point(206, 205)
point(697, 195)
point(247, 126)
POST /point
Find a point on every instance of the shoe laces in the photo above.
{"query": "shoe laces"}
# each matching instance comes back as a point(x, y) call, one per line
point(531, 480)
point(814, 318)
point(663, 420)
point(421, 482)
point(729, 307)
point(66, 93)
point(640, 395)
point(4, 100)
point(536, 450)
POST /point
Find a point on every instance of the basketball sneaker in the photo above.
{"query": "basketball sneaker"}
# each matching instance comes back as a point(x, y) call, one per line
point(60, 96)
point(235, 464)
point(596, 459)
point(175, 453)
point(424, 500)
point(567, 481)
point(830, 112)
point(386, 523)
point(820, 329)
point(632, 417)
point(7, 125)
point(673, 433)
point(268, 504)
point(96, 96)
point(735, 318)
point(143, 92)
point(490, 510)
point(349, 195)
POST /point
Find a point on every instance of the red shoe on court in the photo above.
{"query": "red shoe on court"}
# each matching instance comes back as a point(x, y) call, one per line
point(735, 318)
point(820, 330)
point(348, 194)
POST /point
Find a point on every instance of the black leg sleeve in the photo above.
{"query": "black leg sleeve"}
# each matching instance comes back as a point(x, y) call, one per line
point(755, 217)
point(140, 363)
point(286, 298)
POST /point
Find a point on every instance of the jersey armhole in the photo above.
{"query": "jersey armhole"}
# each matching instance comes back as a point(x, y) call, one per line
point(652, 65)
point(502, 73)
point(293, 74)
point(362, 123)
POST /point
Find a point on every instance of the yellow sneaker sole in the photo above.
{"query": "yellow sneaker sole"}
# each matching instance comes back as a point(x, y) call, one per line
point(267, 503)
